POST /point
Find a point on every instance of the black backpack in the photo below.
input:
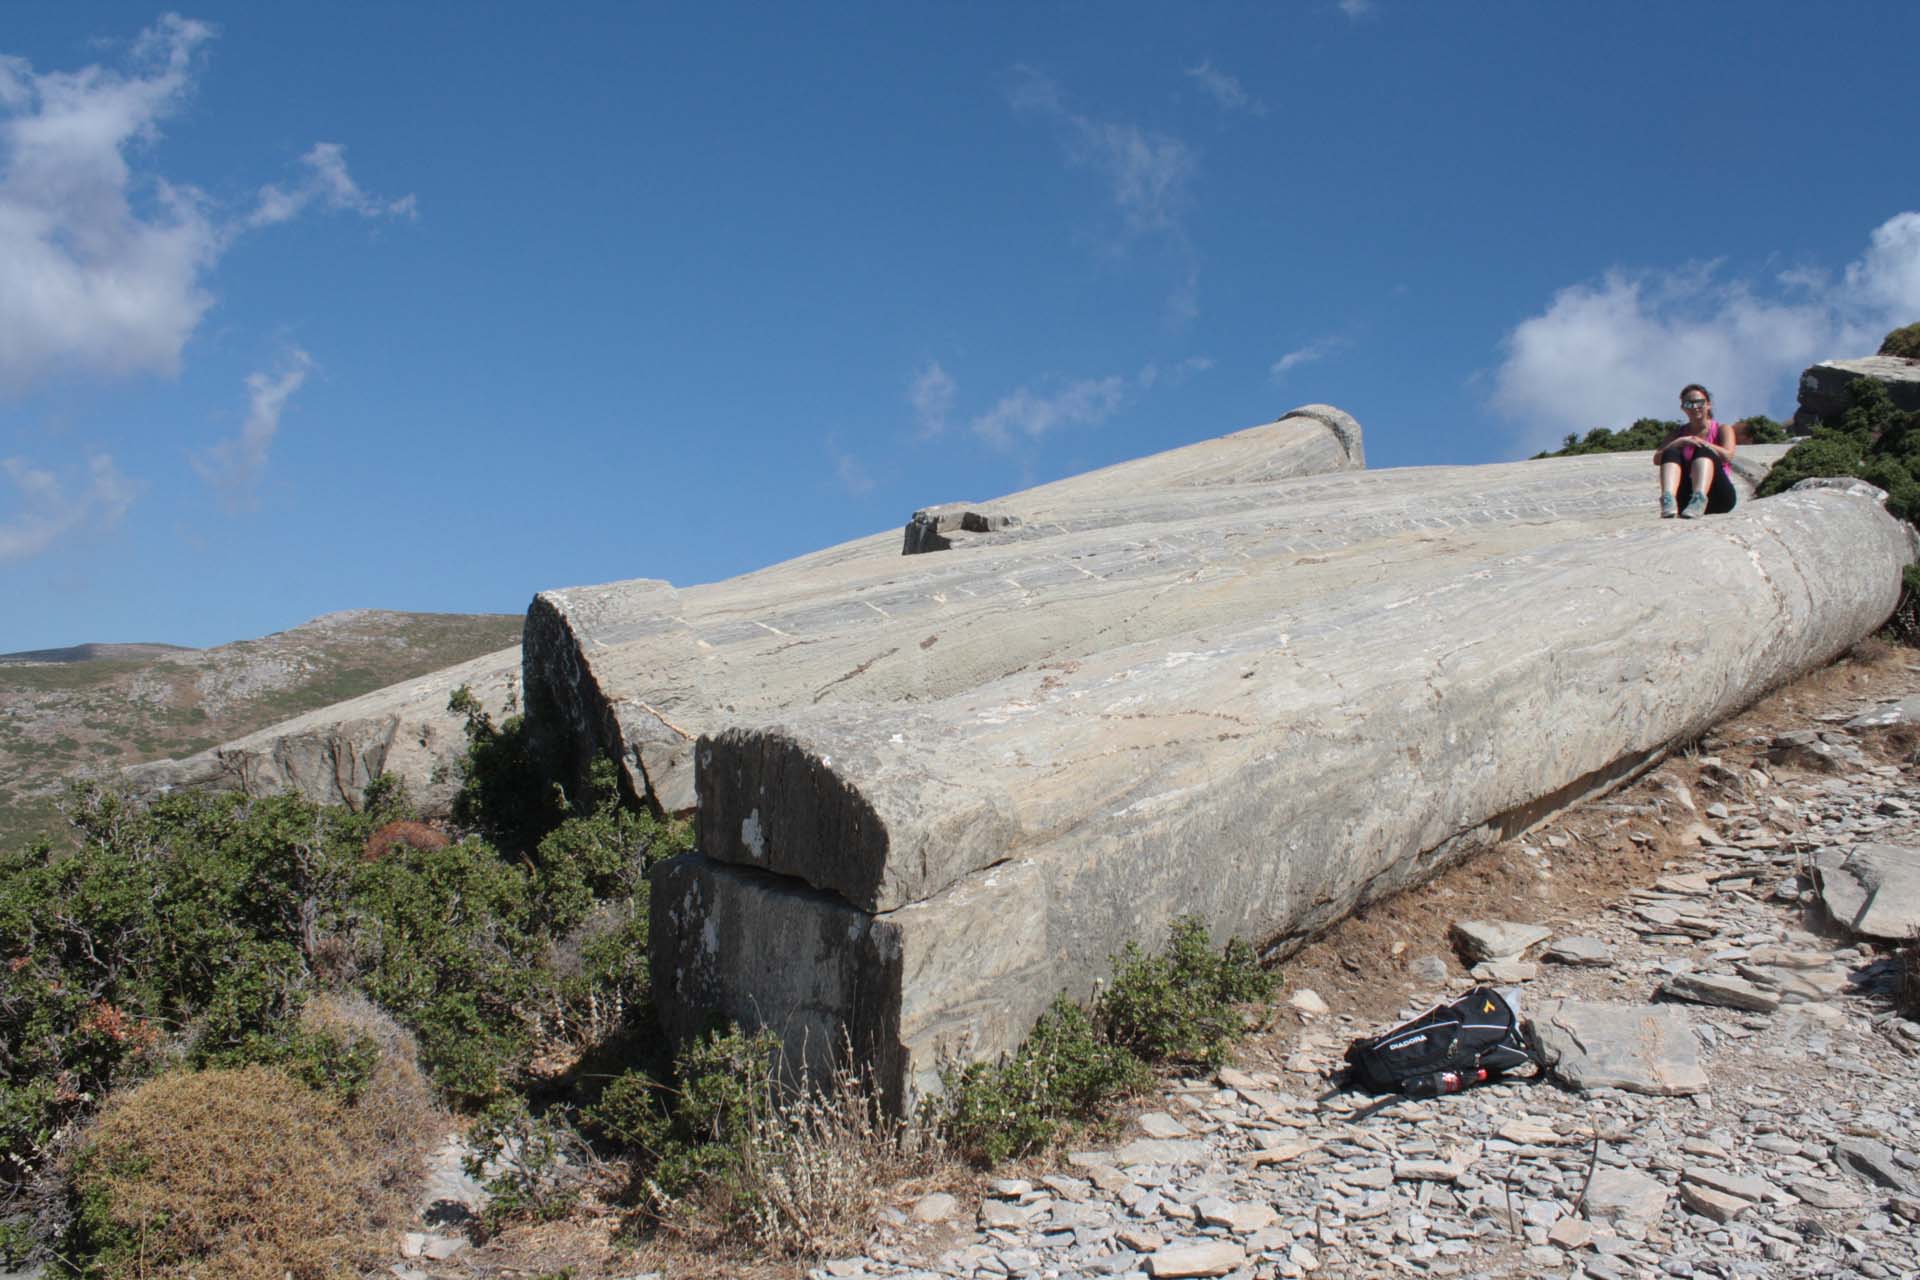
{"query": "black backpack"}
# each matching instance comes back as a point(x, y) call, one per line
point(1447, 1048)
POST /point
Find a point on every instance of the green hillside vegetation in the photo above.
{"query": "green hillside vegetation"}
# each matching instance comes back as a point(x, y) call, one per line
point(1648, 434)
point(282, 983)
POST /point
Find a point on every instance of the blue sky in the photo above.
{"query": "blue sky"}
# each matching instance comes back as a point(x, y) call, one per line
point(325, 306)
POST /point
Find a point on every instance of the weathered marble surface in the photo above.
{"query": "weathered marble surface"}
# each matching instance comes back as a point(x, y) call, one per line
point(640, 669)
point(1447, 680)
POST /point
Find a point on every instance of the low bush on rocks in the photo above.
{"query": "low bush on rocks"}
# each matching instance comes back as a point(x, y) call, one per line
point(728, 1146)
point(1903, 342)
point(1183, 1004)
point(1873, 440)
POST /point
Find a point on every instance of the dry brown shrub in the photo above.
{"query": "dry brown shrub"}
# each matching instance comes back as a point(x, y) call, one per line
point(416, 835)
point(248, 1173)
point(243, 1173)
point(394, 1117)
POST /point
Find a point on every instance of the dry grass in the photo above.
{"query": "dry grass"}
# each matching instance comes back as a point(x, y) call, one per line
point(816, 1169)
point(244, 1174)
point(812, 1171)
point(395, 1113)
point(248, 1174)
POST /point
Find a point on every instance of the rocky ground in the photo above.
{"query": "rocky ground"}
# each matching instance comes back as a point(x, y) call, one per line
point(1736, 1092)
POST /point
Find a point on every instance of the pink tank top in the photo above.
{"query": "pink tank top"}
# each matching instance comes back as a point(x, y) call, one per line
point(1712, 437)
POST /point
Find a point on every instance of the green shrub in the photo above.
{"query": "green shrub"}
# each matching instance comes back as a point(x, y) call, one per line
point(1903, 342)
point(1065, 1071)
point(504, 793)
point(1646, 434)
point(1183, 1004)
point(523, 1161)
point(1872, 440)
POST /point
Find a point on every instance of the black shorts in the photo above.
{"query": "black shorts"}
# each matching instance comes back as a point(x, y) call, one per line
point(1721, 495)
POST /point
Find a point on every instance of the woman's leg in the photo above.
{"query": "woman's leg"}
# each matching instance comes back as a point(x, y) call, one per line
point(1722, 497)
point(1702, 472)
point(1669, 477)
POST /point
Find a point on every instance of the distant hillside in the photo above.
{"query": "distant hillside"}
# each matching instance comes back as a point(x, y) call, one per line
point(92, 708)
point(92, 652)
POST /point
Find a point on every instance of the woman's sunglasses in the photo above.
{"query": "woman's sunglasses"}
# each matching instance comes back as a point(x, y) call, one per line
point(1692, 404)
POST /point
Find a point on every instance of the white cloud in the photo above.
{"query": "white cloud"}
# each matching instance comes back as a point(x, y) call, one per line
point(327, 181)
point(1226, 90)
point(234, 467)
point(1356, 9)
point(931, 394)
point(103, 266)
point(1175, 374)
point(1319, 349)
point(47, 513)
point(1148, 175)
point(1604, 353)
point(1084, 402)
point(852, 474)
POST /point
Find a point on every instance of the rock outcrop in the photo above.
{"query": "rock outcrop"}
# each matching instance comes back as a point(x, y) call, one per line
point(930, 875)
point(330, 755)
point(640, 669)
point(1823, 387)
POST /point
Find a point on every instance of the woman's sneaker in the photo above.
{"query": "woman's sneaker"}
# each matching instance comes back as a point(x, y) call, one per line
point(1668, 507)
point(1696, 506)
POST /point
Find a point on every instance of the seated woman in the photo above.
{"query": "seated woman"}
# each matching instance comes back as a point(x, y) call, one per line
point(1691, 484)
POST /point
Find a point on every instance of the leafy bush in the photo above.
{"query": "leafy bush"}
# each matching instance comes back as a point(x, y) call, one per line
point(1065, 1070)
point(1873, 440)
point(234, 1173)
point(1183, 1003)
point(1903, 342)
point(524, 1162)
point(197, 928)
point(1645, 434)
point(689, 1131)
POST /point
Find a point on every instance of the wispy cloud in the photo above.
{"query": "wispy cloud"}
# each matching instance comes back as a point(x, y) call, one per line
point(49, 510)
point(1023, 413)
point(91, 280)
point(1356, 9)
point(326, 180)
point(1175, 374)
point(1226, 91)
point(852, 474)
point(1319, 349)
point(931, 396)
point(1606, 352)
point(234, 467)
point(1148, 175)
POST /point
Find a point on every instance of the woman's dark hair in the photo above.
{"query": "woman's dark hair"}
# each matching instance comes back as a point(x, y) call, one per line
point(1694, 386)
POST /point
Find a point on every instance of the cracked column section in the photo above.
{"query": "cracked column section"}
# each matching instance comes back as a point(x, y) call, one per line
point(921, 881)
